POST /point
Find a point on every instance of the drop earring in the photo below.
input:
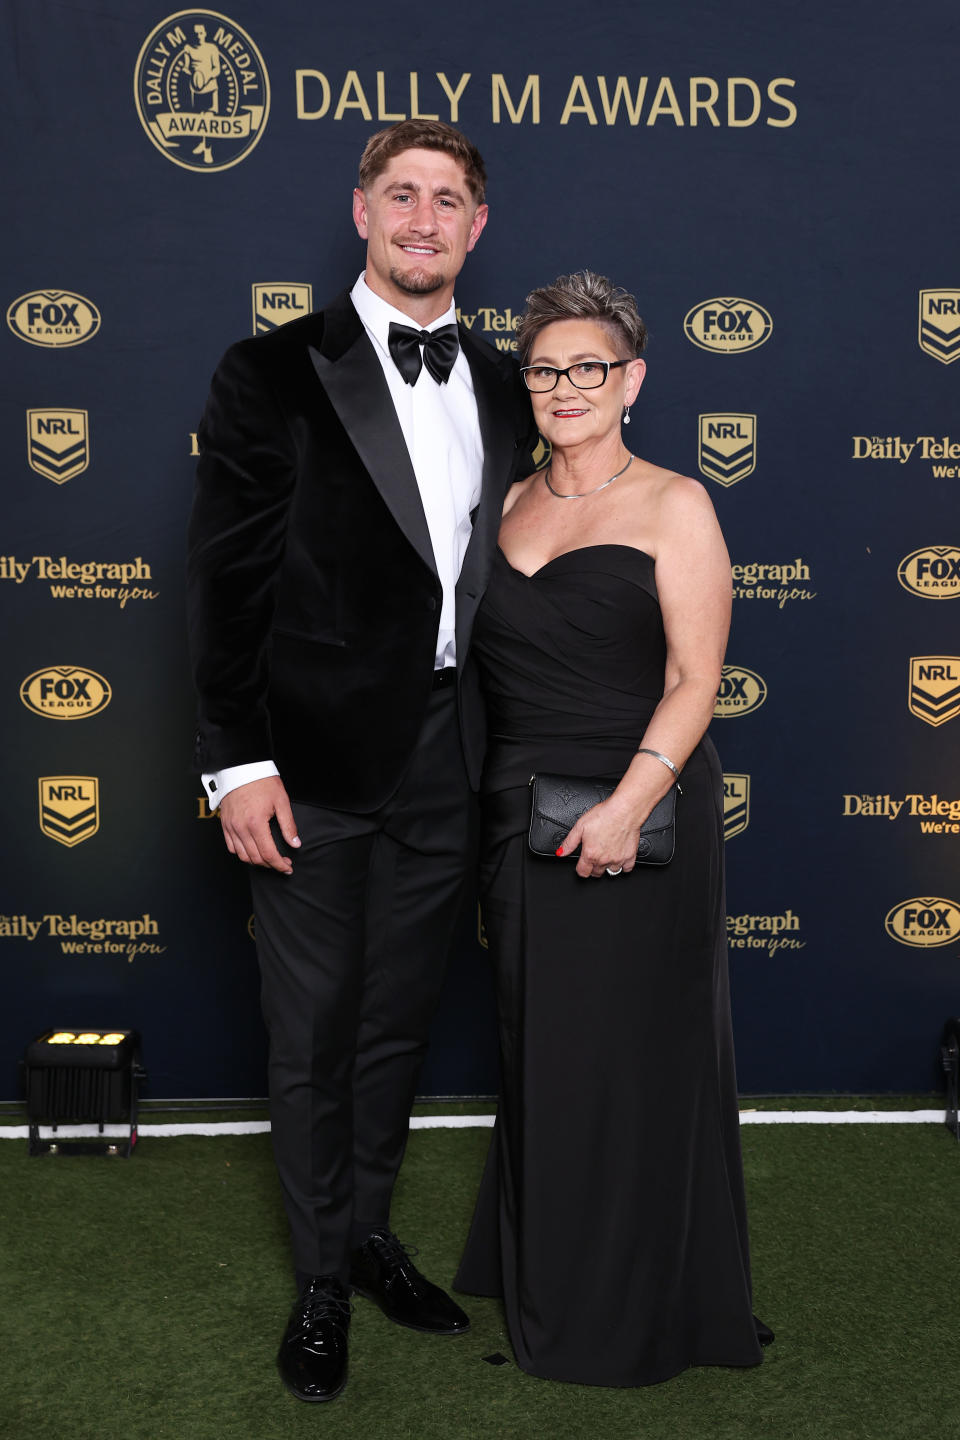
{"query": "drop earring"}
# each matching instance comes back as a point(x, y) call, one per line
point(626, 414)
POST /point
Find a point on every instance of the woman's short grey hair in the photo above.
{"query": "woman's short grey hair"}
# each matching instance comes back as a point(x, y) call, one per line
point(583, 296)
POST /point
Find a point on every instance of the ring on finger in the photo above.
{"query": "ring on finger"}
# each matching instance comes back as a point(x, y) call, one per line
point(614, 869)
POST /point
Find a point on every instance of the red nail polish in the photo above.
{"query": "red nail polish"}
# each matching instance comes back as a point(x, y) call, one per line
point(560, 851)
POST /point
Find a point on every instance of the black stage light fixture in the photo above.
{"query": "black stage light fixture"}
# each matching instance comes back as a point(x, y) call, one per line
point(83, 1077)
point(950, 1059)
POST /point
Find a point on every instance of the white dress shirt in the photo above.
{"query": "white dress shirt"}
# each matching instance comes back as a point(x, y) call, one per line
point(442, 430)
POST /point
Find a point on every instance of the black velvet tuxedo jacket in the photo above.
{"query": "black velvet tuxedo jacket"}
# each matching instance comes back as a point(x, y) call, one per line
point(313, 599)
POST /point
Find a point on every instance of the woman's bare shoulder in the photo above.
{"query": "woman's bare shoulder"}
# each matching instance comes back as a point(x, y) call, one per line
point(518, 489)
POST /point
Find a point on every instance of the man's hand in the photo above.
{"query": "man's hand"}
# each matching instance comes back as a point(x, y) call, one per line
point(245, 815)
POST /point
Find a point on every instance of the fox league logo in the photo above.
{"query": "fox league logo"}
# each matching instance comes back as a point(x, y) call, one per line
point(933, 572)
point(728, 447)
point(939, 324)
point(926, 921)
point(741, 690)
point(274, 304)
point(65, 692)
point(58, 443)
point(202, 90)
point(728, 326)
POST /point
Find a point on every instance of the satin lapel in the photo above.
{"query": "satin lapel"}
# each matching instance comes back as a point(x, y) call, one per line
point(493, 412)
point(351, 374)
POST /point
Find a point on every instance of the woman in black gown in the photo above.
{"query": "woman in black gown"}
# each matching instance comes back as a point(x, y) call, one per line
point(611, 1216)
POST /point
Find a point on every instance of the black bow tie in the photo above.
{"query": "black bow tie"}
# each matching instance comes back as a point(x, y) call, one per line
point(440, 350)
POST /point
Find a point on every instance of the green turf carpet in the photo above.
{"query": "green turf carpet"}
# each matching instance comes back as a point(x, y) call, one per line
point(144, 1299)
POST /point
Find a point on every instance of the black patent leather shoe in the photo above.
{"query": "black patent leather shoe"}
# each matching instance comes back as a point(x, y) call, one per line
point(383, 1271)
point(312, 1359)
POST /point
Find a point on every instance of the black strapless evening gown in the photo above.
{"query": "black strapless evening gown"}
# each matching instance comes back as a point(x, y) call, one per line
point(611, 1215)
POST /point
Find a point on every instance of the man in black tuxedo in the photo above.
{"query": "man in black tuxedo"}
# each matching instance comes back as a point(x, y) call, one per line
point(353, 467)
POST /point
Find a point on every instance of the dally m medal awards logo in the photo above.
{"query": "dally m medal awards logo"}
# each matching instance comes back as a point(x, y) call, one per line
point(69, 807)
point(933, 572)
point(65, 692)
point(202, 90)
point(741, 691)
point(939, 325)
point(934, 694)
point(55, 319)
point(728, 447)
point(58, 443)
point(728, 326)
point(736, 804)
point(925, 921)
point(274, 305)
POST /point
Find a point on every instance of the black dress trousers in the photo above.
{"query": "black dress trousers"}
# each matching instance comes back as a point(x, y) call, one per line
point(352, 948)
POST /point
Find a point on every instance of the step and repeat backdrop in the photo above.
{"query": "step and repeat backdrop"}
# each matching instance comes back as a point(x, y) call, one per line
point(775, 184)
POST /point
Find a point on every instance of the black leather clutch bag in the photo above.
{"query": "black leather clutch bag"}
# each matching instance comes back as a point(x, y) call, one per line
point(560, 800)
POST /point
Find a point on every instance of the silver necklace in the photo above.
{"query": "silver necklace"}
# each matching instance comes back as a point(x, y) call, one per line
point(583, 493)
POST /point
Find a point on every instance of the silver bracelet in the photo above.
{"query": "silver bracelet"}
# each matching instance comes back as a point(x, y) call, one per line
point(642, 750)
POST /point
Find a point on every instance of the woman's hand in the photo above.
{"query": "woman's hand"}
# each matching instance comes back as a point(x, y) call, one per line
point(608, 835)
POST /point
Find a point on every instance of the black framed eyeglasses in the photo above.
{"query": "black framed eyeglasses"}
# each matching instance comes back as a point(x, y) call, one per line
point(585, 375)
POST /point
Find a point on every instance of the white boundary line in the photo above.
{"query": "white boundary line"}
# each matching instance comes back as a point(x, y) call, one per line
point(465, 1122)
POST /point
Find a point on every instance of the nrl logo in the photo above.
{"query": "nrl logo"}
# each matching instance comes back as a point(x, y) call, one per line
point(202, 90)
point(934, 694)
point(741, 691)
point(58, 443)
point(728, 447)
point(736, 804)
point(939, 324)
point(728, 326)
point(926, 921)
point(69, 807)
point(274, 305)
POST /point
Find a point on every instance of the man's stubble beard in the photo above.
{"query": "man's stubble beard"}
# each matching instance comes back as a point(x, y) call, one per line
point(417, 283)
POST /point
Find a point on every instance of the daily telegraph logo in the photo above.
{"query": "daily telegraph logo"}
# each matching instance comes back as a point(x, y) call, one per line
point(933, 572)
point(202, 90)
point(58, 443)
point(934, 690)
point(55, 319)
point(938, 815)
point(926, 921)
point(939, 324)
point(728, 447)
point(741, 691)
point(728, 326)
point(65, 692)
point(275, 304)
point(736, 804)
point(69, 807)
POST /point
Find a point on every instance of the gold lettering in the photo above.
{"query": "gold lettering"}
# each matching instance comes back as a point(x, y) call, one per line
point(622, 91)
point(415, 112)
point(302, 112)
point(351, 85)
point(382, 112)
point(665, 103)
point(732, 83)
point(713, 94)
point(454, 95)
point(194, 444)
point(531, 93)
point(778, 99)
point(578, 86)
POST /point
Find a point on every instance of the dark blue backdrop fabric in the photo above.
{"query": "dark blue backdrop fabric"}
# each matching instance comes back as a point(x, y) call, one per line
point(776, 185)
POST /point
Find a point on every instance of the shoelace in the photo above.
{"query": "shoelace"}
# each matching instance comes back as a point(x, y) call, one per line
point(391, 1251)
point(318, 1305)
